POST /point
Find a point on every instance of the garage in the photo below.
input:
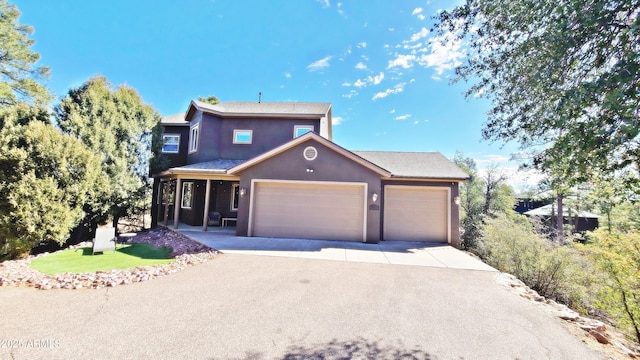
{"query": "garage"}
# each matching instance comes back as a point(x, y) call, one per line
point(416, 213)
point(309, 210)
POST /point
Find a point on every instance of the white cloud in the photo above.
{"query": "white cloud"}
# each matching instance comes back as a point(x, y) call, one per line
point(361, 66)
point(416, 11)
point(359, 83)
point(320, 64)
point(392, 29)
point(416, 122)
point(421, 17)
point(405, 61)
point(395, 90)
point(393, 111)
point(287, 75)
point(336, 120)
point(446, 53)
point(419, 35)
point(362, 45)
point(346, 84)
point(351, 94)
point(403, 117)
point(325, 3)
point(376, 79)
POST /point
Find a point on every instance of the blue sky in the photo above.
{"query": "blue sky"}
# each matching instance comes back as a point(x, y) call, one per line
point(376, 61)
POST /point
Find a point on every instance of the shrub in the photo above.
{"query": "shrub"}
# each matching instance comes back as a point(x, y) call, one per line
point(511, 245)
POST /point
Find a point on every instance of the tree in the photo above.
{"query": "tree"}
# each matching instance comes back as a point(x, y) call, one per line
point(213, 100)
point(47, 181)
point(118, 125)
point(19, 76)
point(562, 76)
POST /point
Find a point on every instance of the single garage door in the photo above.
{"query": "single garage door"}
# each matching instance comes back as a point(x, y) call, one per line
point(308, 210)
point(416, 213)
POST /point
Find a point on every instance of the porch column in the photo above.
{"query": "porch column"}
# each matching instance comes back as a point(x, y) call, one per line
point(205, 218)
point(176, 206)
point(164, 201)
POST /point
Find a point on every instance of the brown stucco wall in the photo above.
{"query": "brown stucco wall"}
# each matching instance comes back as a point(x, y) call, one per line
point(216, 136)
point(328, 166)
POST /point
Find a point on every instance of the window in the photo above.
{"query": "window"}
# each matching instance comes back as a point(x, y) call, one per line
point(310, 153)
point(242, 136)
point(235, 195)
point(193, 138)
point(299, 130)
point(187, 195)
point(170, 143)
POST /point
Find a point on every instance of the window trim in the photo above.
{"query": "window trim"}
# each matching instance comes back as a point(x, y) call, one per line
point(237, 132)
point(194, 140)
point(164, 143)
point(187, 185)
point(235, 196)
point(310, 128)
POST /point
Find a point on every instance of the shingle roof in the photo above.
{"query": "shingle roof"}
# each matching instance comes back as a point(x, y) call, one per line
point(215, 166)
point(431, 165)
point(245, 107)
point(548, 210)
point(177, 119)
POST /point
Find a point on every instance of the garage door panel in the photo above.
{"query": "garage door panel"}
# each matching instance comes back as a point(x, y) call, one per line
point(308, 210)
point(413, 213)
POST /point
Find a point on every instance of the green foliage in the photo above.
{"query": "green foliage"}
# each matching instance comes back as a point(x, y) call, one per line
point(562, 77)
point(47, 179)
point(213, 100)
point(618, 257)
point(118, 125)
point(82, 260)
point(19, 77)
point(512, 245)
point(480, 197)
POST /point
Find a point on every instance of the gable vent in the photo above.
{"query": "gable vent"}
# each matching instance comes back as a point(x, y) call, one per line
point(310, 153)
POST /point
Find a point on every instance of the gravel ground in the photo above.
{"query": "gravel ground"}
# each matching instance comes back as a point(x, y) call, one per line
point(186, 252)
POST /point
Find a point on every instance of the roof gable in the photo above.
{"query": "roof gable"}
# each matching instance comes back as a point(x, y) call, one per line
point(304, 138)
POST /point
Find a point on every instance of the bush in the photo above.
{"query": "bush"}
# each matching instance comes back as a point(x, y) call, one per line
point(617, 256)
point(511, 245)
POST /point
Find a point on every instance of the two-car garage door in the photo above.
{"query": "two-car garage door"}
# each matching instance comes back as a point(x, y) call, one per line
point(416, 213)
point(310, 210)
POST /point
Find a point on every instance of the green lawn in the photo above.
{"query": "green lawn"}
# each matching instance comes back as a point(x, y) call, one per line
point(80, 260)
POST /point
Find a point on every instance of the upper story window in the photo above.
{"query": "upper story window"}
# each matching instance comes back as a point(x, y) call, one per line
point(299, 130)
point(170, 143)
point(193, 138)
point(242, 136)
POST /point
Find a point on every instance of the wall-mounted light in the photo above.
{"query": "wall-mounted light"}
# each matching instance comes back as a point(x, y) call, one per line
point(456, 200)
point(374, 197)
point(309, 170)
point(243, 192)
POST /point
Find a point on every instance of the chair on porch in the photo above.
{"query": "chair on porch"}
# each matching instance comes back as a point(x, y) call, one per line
point(214, 219)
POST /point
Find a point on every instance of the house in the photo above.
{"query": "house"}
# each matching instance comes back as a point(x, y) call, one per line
point(580, 220)
point(274, 171)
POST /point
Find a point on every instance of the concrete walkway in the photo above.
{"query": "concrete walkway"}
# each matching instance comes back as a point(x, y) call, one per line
point(386, 252)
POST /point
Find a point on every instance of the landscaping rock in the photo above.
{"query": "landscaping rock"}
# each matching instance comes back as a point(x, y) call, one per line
point(185, 251)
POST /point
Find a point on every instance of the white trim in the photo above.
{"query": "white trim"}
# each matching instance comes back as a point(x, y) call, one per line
point(311, 128)
point(315, 155)
point(187, 184)
point(194, 142)
point(163, 143)
point(440, 188)
point(240, 131)
point(233, 195)
point(364, 185)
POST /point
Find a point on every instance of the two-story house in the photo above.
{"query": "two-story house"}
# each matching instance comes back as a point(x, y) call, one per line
point(273, 169)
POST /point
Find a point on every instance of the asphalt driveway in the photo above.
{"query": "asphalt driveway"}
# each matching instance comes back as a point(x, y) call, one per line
point(264, 307)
